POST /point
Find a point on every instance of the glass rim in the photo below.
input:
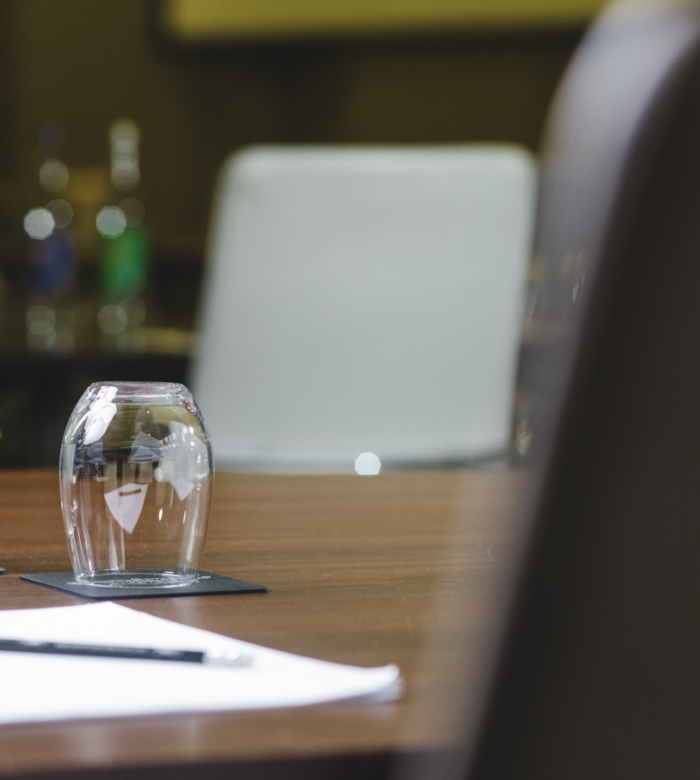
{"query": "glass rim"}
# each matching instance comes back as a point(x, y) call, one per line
point(143, 389)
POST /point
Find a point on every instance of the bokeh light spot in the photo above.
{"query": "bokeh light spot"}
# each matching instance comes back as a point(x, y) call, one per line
point(133, 211)
point(111, 222)
point(124, 131)
point(124, 137)
point(41, 320)
point(112, 320)
point(53, 175)
point(125, 172)
point(39, 223)
point(61, 211)
point(367, 464)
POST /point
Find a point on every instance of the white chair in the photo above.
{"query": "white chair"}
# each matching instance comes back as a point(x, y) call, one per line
point(364, 299)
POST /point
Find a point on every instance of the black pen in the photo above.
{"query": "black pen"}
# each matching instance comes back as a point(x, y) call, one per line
point(222, 658)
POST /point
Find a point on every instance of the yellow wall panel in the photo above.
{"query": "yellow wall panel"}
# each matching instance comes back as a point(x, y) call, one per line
point(203, 20)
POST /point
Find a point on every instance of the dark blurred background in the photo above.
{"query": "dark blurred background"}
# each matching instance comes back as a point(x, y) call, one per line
point(69, 69)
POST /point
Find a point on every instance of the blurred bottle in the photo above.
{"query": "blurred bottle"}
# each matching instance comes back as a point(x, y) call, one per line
point(13, 267)
point(51, 266)
point(4, 312)
point(124, 250)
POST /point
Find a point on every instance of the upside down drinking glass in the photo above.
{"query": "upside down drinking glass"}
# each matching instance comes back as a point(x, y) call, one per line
point(136, 477)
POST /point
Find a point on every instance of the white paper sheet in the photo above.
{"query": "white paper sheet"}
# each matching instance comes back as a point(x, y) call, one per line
point(36, 687)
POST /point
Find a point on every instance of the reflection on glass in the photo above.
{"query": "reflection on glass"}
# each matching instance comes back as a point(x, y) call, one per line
point(136, 483)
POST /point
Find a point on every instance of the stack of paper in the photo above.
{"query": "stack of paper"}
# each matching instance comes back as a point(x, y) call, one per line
point(37, 687)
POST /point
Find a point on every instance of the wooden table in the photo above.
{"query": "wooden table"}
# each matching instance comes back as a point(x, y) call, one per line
point(359, 569)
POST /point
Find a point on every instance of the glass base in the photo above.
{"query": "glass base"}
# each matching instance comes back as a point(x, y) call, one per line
point(139, 578)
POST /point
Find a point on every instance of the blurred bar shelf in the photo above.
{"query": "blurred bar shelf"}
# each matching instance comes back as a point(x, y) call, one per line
point(38, 392)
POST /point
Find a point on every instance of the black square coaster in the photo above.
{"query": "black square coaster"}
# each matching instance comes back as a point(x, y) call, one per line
point(207, 584)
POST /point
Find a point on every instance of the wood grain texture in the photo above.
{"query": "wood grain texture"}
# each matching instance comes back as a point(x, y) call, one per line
point(400, 568)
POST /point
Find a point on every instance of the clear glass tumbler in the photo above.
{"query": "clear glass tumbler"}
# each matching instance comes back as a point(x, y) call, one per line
point(136, 483)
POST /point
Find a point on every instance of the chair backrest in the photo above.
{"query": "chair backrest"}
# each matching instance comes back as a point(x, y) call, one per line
point(597, 672)
point(364, 299)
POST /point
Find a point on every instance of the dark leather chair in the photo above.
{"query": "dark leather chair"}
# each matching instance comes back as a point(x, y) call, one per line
point(598, 667)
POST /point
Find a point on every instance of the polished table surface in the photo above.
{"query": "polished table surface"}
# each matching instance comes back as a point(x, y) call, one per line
point(398, 568)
